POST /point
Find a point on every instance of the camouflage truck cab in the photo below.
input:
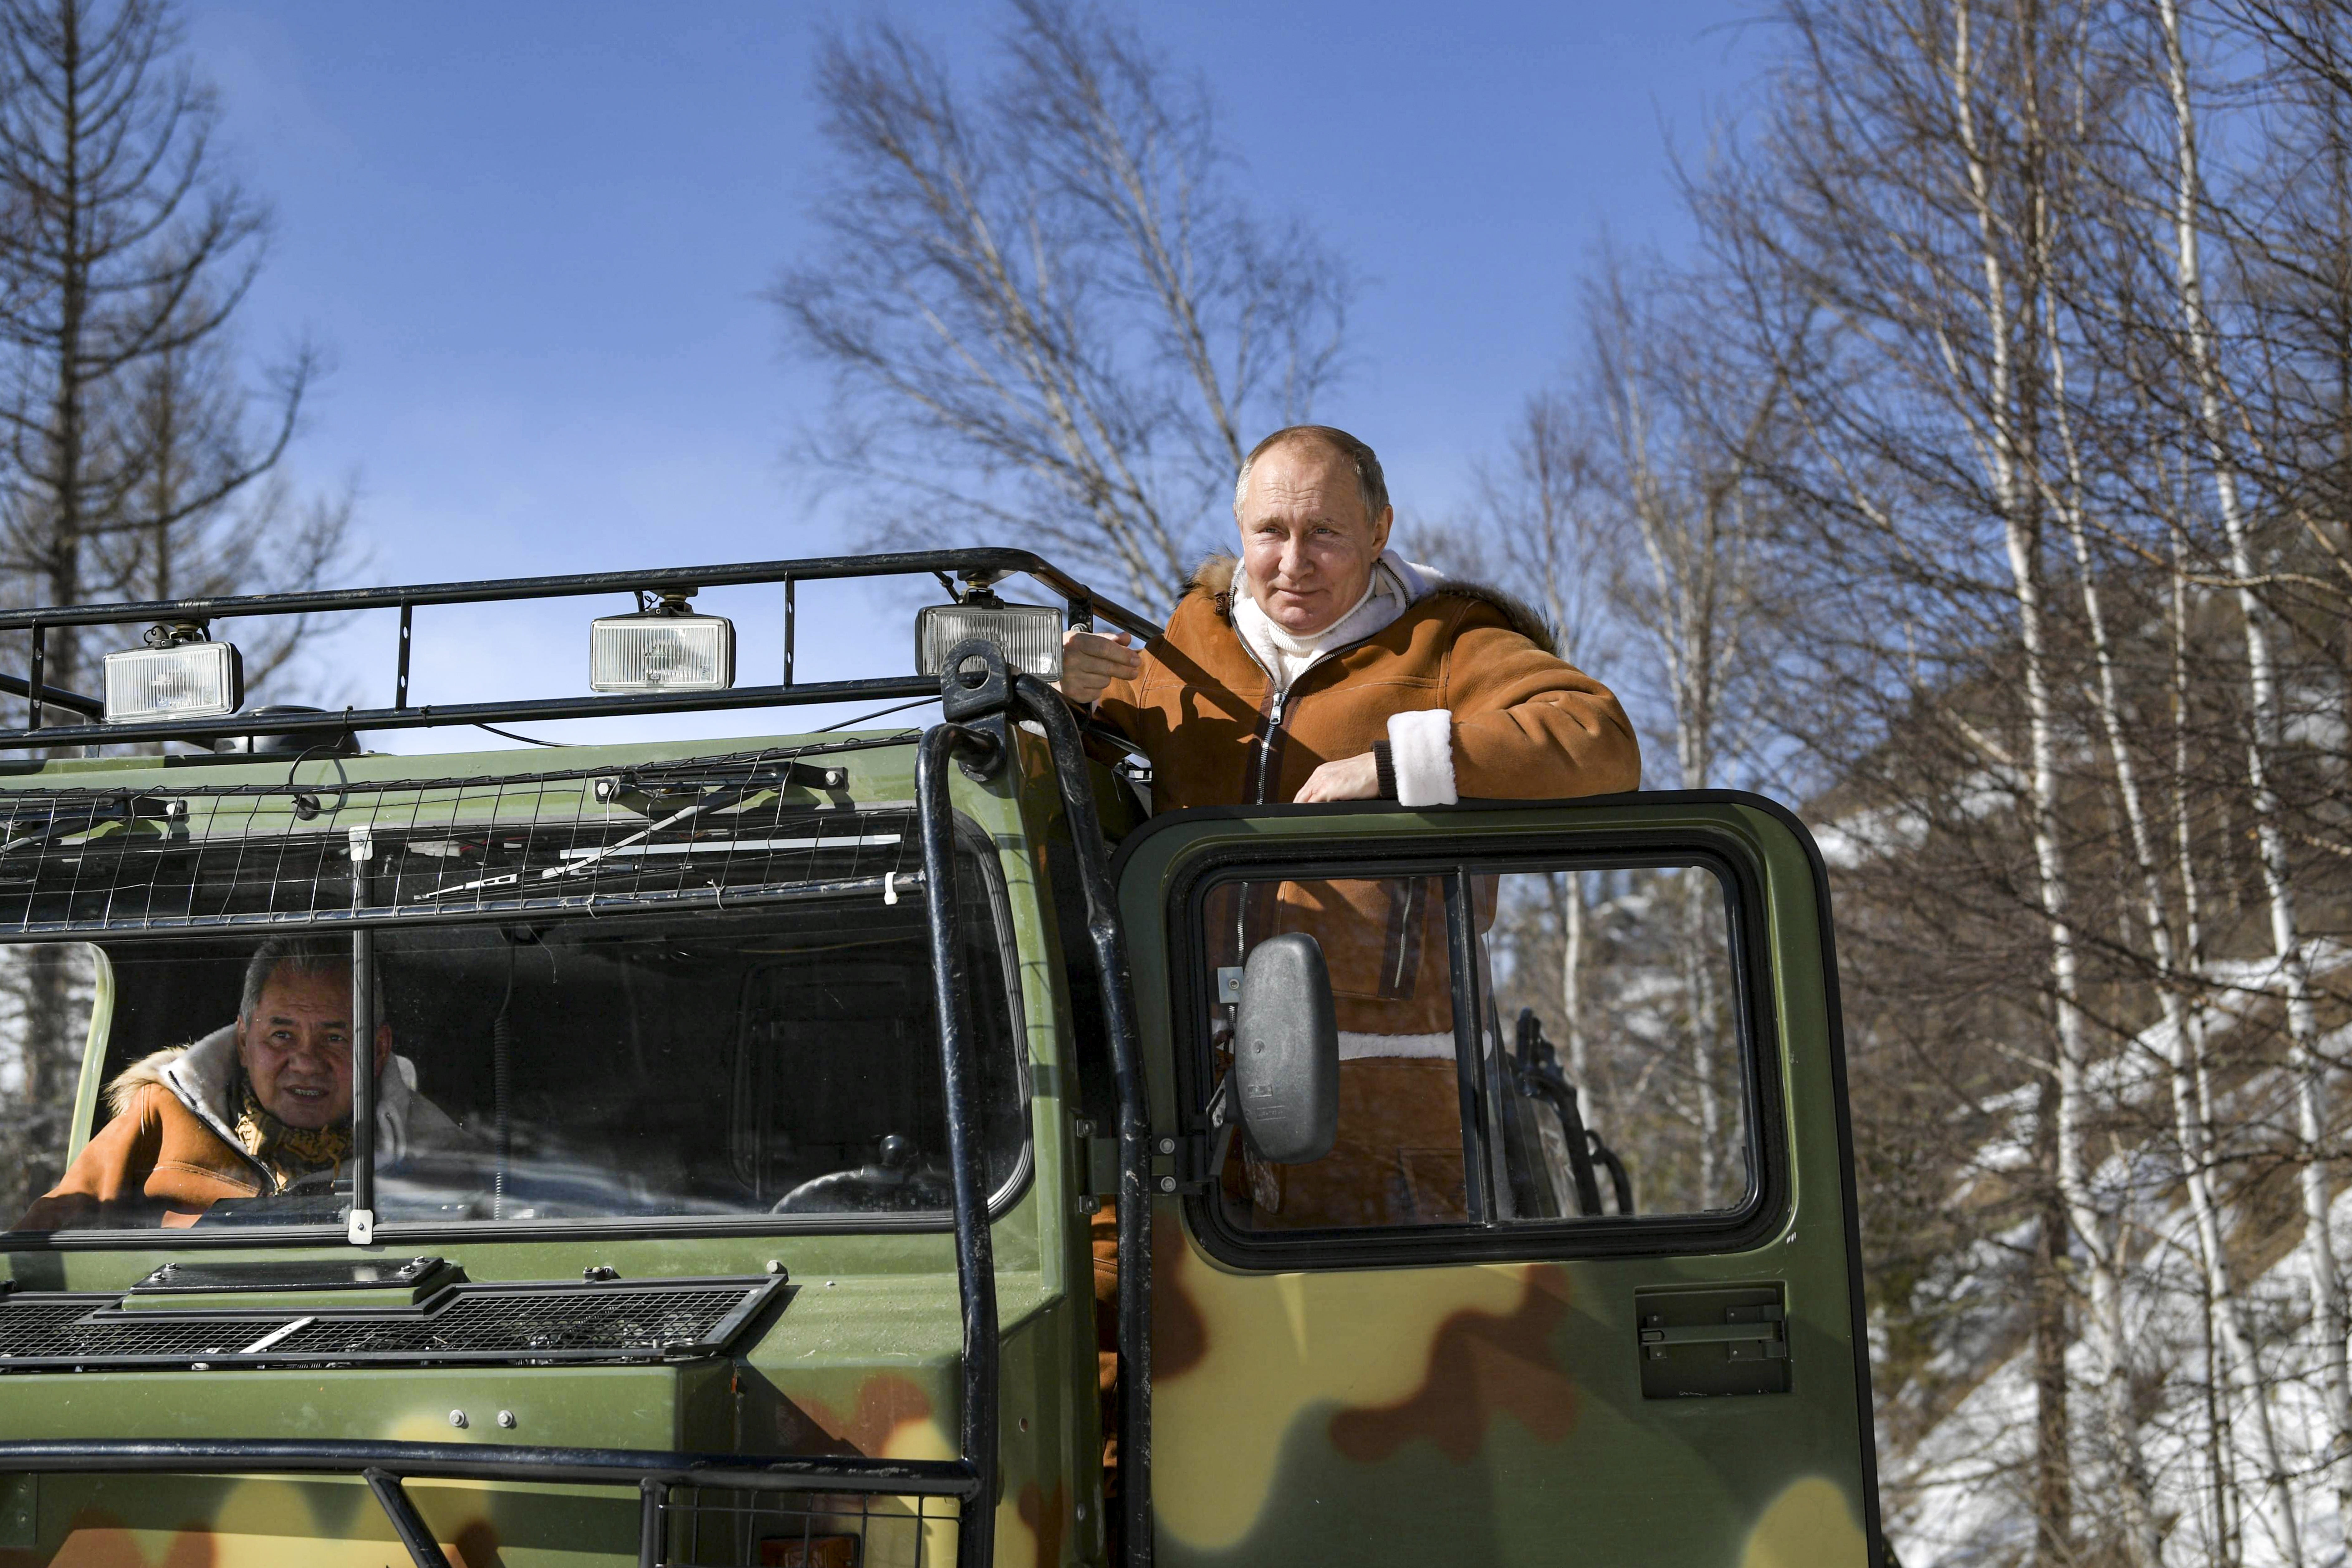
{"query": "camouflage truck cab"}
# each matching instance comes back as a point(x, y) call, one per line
point(746, 1115)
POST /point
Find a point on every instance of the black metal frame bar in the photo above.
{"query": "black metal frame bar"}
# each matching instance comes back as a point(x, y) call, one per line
point(1107, 938)
point(484, 1461)
point(55, 696)
point(1478, 1130)
point(975, 1256)
point(1082, 604)
point(407, 635)
point(40, 661)
point(979, 695)
point(407, 1522)
point(361, 1232)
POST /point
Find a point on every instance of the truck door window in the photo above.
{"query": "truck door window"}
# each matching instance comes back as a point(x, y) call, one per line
point(1554, 1044)
point(52, 996)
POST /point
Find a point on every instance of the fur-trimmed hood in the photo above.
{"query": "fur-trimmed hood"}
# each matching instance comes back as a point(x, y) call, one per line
point(202, 1077)
point(1213, 579)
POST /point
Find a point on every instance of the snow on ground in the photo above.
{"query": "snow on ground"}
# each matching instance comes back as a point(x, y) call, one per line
point(1957, 1496)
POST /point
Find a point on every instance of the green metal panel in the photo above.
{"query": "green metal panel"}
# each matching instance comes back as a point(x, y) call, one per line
point(864, 1357)
point(1492, 1412)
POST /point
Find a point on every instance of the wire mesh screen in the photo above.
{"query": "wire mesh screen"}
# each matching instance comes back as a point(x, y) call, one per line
point(701, 831)
point(466, 1322)
point(703, 1527)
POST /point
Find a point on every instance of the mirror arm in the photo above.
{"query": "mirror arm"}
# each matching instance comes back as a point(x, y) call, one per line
point(1201, 1156)
point(1223, 1125)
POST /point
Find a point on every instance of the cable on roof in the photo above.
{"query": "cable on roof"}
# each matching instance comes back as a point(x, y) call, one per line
point(878, 713)
point(509, 734)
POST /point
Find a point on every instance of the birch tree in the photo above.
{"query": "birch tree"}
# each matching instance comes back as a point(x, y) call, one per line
point(2307, 1065)
point(1543, 519)
point(1909, 190)
point(1046, 313)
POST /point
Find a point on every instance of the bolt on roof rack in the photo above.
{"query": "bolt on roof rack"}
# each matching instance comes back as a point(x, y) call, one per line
point(976, 565)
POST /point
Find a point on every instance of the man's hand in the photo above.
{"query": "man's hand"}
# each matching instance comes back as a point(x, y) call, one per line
point(1352, 778)
point(1090, 661)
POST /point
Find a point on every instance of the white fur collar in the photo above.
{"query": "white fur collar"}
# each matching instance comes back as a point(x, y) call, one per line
point(1395, 587)
point(202, 1077)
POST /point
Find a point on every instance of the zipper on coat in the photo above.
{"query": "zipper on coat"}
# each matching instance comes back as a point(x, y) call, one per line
point(1266, 742)
point(1280, 698)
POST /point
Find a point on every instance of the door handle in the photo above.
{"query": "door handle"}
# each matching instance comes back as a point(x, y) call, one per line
point(1770, 1334)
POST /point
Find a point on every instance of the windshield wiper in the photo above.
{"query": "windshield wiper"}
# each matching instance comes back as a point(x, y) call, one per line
point(732, 794)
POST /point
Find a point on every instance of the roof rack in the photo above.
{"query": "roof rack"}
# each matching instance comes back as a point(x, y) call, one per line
point(977, 567)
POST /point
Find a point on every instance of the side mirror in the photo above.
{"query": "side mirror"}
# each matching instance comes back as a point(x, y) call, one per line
point(1285, 1074)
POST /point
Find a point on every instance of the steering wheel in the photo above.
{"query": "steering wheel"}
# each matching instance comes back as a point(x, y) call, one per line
point(897, 1183)
point(315, 1199)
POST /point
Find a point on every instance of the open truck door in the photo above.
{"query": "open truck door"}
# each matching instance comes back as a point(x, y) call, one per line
point(1577, 1278)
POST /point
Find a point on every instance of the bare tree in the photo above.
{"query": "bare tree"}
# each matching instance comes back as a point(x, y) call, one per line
point(128, 253)
point(1544, 524)
point(1677, 448)
point(1911, 195)
point(1046, 313)
point(210, 510)
point(2023, 376)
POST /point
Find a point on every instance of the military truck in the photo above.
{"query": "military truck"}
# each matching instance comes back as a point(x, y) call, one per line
point(790, 1079)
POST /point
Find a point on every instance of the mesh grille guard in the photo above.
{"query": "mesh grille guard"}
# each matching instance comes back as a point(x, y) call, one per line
point(699, 832)
point(521, 1323)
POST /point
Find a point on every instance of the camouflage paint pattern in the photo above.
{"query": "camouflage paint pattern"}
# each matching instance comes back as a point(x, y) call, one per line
point(1450, 1414)
point(1493, 1411)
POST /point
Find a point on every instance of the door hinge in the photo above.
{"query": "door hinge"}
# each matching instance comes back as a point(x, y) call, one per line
point(1191, 1166)
point(1102, 1167)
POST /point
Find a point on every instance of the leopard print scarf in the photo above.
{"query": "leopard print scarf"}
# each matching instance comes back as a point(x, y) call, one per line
point(287, 1154)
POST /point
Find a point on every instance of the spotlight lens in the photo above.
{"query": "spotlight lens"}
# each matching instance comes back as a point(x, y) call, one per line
point(661, 653)
point(193, 680)
point(1029, 636)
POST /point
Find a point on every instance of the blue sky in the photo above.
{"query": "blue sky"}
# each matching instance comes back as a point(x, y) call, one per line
point(532, 237)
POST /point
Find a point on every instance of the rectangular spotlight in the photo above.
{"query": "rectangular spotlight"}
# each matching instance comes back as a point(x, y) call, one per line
point(661, 653)
point(187, 681)
point(1028, 636)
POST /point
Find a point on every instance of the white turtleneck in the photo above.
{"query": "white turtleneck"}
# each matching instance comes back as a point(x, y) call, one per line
point(1421, 744)
point(1394, 586)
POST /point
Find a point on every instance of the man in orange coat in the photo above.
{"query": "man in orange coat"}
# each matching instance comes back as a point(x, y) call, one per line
point(1325, 667)
point(252, 1109)
point(1328, 667)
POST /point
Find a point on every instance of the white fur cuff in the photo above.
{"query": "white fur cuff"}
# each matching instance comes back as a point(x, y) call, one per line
point(1421, 746)
point(1358, 1047)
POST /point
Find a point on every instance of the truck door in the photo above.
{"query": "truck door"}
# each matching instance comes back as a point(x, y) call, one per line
point(1579, 1280)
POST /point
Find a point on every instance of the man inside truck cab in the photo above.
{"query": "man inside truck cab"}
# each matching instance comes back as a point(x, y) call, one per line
point(255, 1107)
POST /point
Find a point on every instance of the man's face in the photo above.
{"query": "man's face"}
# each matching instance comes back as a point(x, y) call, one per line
point(1307, 548)
point(297, 1047)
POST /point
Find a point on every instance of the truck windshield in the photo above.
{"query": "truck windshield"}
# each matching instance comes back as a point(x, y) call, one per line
point(568, 1070)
